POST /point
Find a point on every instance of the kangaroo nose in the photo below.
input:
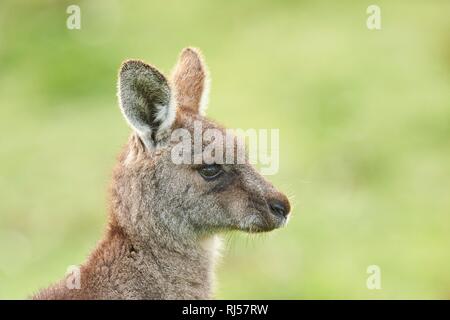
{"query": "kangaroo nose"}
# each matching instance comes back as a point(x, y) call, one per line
point(279, 208)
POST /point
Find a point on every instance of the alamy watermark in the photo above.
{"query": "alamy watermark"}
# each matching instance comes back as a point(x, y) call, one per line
point(374, 19)
point(73, 21)
point(73, 278)
point(374, 280)
point(227, 146)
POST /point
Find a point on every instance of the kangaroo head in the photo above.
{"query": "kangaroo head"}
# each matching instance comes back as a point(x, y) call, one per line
point(193, 198)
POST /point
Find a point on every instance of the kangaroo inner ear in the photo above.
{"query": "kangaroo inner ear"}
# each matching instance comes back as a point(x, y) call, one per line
point(191, 81)
point(146, 102)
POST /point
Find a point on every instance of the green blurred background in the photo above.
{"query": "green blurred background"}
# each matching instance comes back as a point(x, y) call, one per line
point(364, 120)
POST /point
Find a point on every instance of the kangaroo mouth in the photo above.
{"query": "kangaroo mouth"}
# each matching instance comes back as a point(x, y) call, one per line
point(262, 222)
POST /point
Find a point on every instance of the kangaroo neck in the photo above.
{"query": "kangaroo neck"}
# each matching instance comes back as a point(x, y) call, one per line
point(150, 269)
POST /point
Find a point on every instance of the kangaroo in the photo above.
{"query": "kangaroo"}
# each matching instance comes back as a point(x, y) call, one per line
point(165, 219)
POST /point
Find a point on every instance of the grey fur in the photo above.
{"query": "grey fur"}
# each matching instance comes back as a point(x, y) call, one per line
point(163, 215)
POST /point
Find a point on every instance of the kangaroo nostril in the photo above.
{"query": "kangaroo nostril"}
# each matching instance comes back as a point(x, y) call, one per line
point(278, 208)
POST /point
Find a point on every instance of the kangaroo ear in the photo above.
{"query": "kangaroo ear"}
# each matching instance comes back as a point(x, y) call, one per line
point(191, 81)
point(146, 102)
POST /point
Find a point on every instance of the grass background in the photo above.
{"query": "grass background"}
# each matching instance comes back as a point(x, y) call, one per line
point(365, 135)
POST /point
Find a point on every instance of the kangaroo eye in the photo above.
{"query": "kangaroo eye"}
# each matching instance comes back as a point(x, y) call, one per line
point(211, 171)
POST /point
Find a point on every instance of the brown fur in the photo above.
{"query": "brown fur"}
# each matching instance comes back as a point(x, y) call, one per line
point(162, 215)
point(190, 79)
